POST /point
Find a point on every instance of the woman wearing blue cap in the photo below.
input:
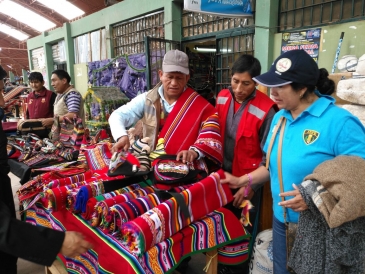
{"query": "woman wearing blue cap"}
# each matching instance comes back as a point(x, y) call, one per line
point(314, 130)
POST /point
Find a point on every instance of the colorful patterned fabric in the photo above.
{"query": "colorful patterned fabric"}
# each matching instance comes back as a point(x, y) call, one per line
point(57, 197)
point(98, 158)
point(13, 93)
point(166, 219)
point(180, 133)
point(102, 215)
point(90, 205)
point(234, 253)
point(213, 231)
point(78, 202)
point(127, 211)
point(30, 192)
point(86, 176)
point(109, 255)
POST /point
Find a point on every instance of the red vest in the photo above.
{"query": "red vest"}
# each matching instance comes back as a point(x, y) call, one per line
point(247, 154)
point(39, 107)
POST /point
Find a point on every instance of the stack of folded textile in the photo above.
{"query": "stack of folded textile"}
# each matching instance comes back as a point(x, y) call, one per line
point(169, 217)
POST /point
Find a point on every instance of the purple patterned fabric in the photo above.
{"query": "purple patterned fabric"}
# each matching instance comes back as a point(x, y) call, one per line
point(120, 74)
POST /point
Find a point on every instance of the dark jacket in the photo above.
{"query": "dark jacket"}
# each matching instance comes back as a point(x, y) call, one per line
point(19, 239)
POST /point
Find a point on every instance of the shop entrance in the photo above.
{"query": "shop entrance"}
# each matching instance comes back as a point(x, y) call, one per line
point(211, 60)
point(202, 64)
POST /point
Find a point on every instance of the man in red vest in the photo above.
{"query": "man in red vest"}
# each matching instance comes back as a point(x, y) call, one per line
point(245, 116)
point(40, 100)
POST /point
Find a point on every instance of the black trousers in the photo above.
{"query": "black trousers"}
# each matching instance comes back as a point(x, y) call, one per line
point(8, 262)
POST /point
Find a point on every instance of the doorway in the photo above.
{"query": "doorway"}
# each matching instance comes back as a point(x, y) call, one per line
point(202, 65)
point(211, 59)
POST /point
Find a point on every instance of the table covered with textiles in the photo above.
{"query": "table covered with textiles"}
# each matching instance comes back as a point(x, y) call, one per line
point(134, 228)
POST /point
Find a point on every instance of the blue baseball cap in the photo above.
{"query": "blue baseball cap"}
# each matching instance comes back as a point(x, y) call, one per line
point(295, 66)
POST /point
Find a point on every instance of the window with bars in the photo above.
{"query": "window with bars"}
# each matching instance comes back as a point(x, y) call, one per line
point(307, 13)
point(194, 23)
point(90, 47)
point(129, 36)
point(230, 49)
point(156, 49)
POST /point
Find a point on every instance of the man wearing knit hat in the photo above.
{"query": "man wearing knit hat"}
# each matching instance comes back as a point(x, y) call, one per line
point(173, 114)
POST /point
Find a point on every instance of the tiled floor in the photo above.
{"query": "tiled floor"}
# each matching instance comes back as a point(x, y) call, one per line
point(196, 264)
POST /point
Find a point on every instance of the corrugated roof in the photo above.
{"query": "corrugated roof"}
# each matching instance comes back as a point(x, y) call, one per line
point(14, 54)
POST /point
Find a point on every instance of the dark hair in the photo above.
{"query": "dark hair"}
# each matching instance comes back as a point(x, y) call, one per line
point(62, 74)
point(324, 85)
point(3, 73)
point(247, 63)
point(35, 76)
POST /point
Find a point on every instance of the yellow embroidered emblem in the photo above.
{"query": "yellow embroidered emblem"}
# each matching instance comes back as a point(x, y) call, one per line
point(310, 136)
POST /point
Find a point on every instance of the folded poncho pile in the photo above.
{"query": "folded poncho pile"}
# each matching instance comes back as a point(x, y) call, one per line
point(168, 218)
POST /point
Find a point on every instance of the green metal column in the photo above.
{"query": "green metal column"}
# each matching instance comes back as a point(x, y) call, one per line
point(30, 60)
point(11, 77)
point(25, 76)
point(109, 41)
point(266, 25)
point(70, 50)
point(49, 64)
point(173, 12)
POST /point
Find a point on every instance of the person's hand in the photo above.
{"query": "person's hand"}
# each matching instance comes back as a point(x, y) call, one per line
point(122, 144)
point(47, 122)
point(250, 193)
point(232, 181)
point(187, 155)
point(74, 244)
point(239, 197)
point(297, 203)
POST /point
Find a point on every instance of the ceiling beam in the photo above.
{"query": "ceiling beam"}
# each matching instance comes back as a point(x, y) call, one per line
point(12, 48)
point(20, 64)
point(15, 58)
point(41, 10)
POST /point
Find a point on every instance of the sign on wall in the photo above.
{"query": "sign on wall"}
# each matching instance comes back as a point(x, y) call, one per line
point(308, 40)
point(230, 8)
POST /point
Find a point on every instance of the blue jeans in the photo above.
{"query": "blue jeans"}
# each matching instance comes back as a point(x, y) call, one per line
point(279, 247)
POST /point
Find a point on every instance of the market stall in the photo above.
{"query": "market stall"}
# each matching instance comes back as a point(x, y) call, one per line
point(153, 240)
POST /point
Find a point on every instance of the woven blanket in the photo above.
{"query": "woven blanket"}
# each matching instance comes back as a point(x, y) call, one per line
point(213, 231)
point(86, 176)
point(166, 219)
point(109, 199)
point(98, 157)
point(78, 197)
point(13, 93)
point(91, 203)
point(127, 211)
point(109, 255)
point(102, 215)
point(92, 212)
point(57, 197)
point(34, 190)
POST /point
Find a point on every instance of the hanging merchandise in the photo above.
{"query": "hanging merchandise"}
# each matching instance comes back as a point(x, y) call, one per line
point(100, 102)
point(126, 72)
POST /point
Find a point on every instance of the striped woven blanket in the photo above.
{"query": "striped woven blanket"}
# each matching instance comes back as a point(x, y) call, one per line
point(109, 255)
point(166, 219)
